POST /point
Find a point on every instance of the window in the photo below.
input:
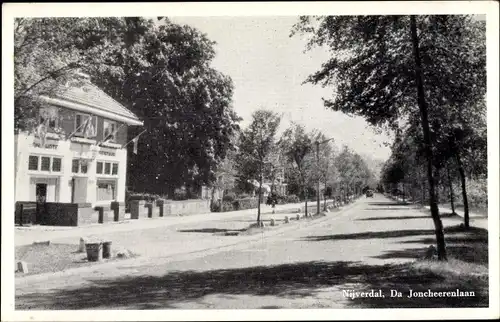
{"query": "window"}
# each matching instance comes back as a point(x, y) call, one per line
point(33, 162)
point(85, 125)
point(99, 168)
point(75, 166)
point(83, 167)
point(80, 166)
point(107, 168)
point(109, 131)
point(106, 190)
point(45, 164)
point(56, 164)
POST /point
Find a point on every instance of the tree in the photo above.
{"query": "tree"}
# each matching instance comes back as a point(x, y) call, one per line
point(297, 144)
point(257, 142)
point(48, 51)
point(381, 70)
point(225, 173)
point(185, 104)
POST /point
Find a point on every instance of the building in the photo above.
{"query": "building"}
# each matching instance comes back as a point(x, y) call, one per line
point(77, 153)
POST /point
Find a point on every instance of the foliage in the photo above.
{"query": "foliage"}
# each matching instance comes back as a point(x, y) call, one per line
point(257, 144)
point(247, 203)
point(292, 199)
point(229, 197)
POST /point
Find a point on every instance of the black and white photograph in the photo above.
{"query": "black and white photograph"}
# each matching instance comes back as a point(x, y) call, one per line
point(270, 160)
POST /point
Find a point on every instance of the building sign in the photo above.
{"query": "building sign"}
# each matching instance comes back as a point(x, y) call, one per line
point(47, 146)
point(107, 152)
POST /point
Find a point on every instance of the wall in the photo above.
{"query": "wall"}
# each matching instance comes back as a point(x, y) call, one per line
point(188, 207)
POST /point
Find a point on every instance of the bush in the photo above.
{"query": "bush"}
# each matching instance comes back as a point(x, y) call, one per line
point(180, 195)
point(227, 206)
point(229, 197)
point(247, 203)
point(143, 196)
point(244, 196)
point(292, 199)
point(215, 206)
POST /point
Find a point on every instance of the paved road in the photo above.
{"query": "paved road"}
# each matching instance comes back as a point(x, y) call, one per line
point(306, 264)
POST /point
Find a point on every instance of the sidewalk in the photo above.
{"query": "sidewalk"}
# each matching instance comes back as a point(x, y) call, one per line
point(28, 235)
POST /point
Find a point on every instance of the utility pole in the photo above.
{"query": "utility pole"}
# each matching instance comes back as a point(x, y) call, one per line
point(317, 162)
point(317, 190)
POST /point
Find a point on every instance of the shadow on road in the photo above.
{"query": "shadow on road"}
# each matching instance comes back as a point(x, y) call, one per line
point(444, 215)
point(208, 230)
point(373, 234)
point(388, 203)
point(295, 281)
point(472, 231)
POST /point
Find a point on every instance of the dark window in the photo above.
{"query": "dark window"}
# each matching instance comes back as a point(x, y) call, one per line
point(99, 167)
point(75, 166)
point(109, 131)
point(45, 164)
point(78, 123)
point(33, 162)
point(84, 167)
point(107, 168)
point(115, 168)
point(56, 164)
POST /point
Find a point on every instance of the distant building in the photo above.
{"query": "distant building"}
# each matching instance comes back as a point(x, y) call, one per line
point(76, 153)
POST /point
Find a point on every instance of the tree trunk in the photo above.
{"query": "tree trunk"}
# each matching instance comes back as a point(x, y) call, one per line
point(422, 104)
point(450, 184)
point(259, 199)
point(464, 189)
point(305, 197)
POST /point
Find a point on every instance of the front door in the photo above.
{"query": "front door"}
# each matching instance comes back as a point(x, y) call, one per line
point(41, 198)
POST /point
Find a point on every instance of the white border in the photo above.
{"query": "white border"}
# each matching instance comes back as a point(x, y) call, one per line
point(490, 8)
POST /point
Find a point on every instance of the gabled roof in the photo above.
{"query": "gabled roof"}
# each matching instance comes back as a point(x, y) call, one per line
point(90, 98)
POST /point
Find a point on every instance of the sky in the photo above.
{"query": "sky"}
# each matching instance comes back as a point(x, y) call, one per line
point(268, 69)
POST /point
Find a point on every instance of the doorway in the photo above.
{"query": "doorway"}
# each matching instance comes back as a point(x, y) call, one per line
point(41, 199)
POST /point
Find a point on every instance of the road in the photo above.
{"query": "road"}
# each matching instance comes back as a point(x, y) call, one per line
point(304, 264)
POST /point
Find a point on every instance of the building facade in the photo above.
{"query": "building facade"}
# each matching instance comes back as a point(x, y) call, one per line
point(77, 153)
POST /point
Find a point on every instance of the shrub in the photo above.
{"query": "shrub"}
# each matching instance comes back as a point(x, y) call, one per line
point(244, 196)
point(143, 196)
point(247, 203)
point(215, 206)
point(292, 199)
point(227, 206)
point(229, 197)
point(180, 195)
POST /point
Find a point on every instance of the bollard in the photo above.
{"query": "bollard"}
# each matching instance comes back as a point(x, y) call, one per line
point(81, 247)
point(106, 249)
